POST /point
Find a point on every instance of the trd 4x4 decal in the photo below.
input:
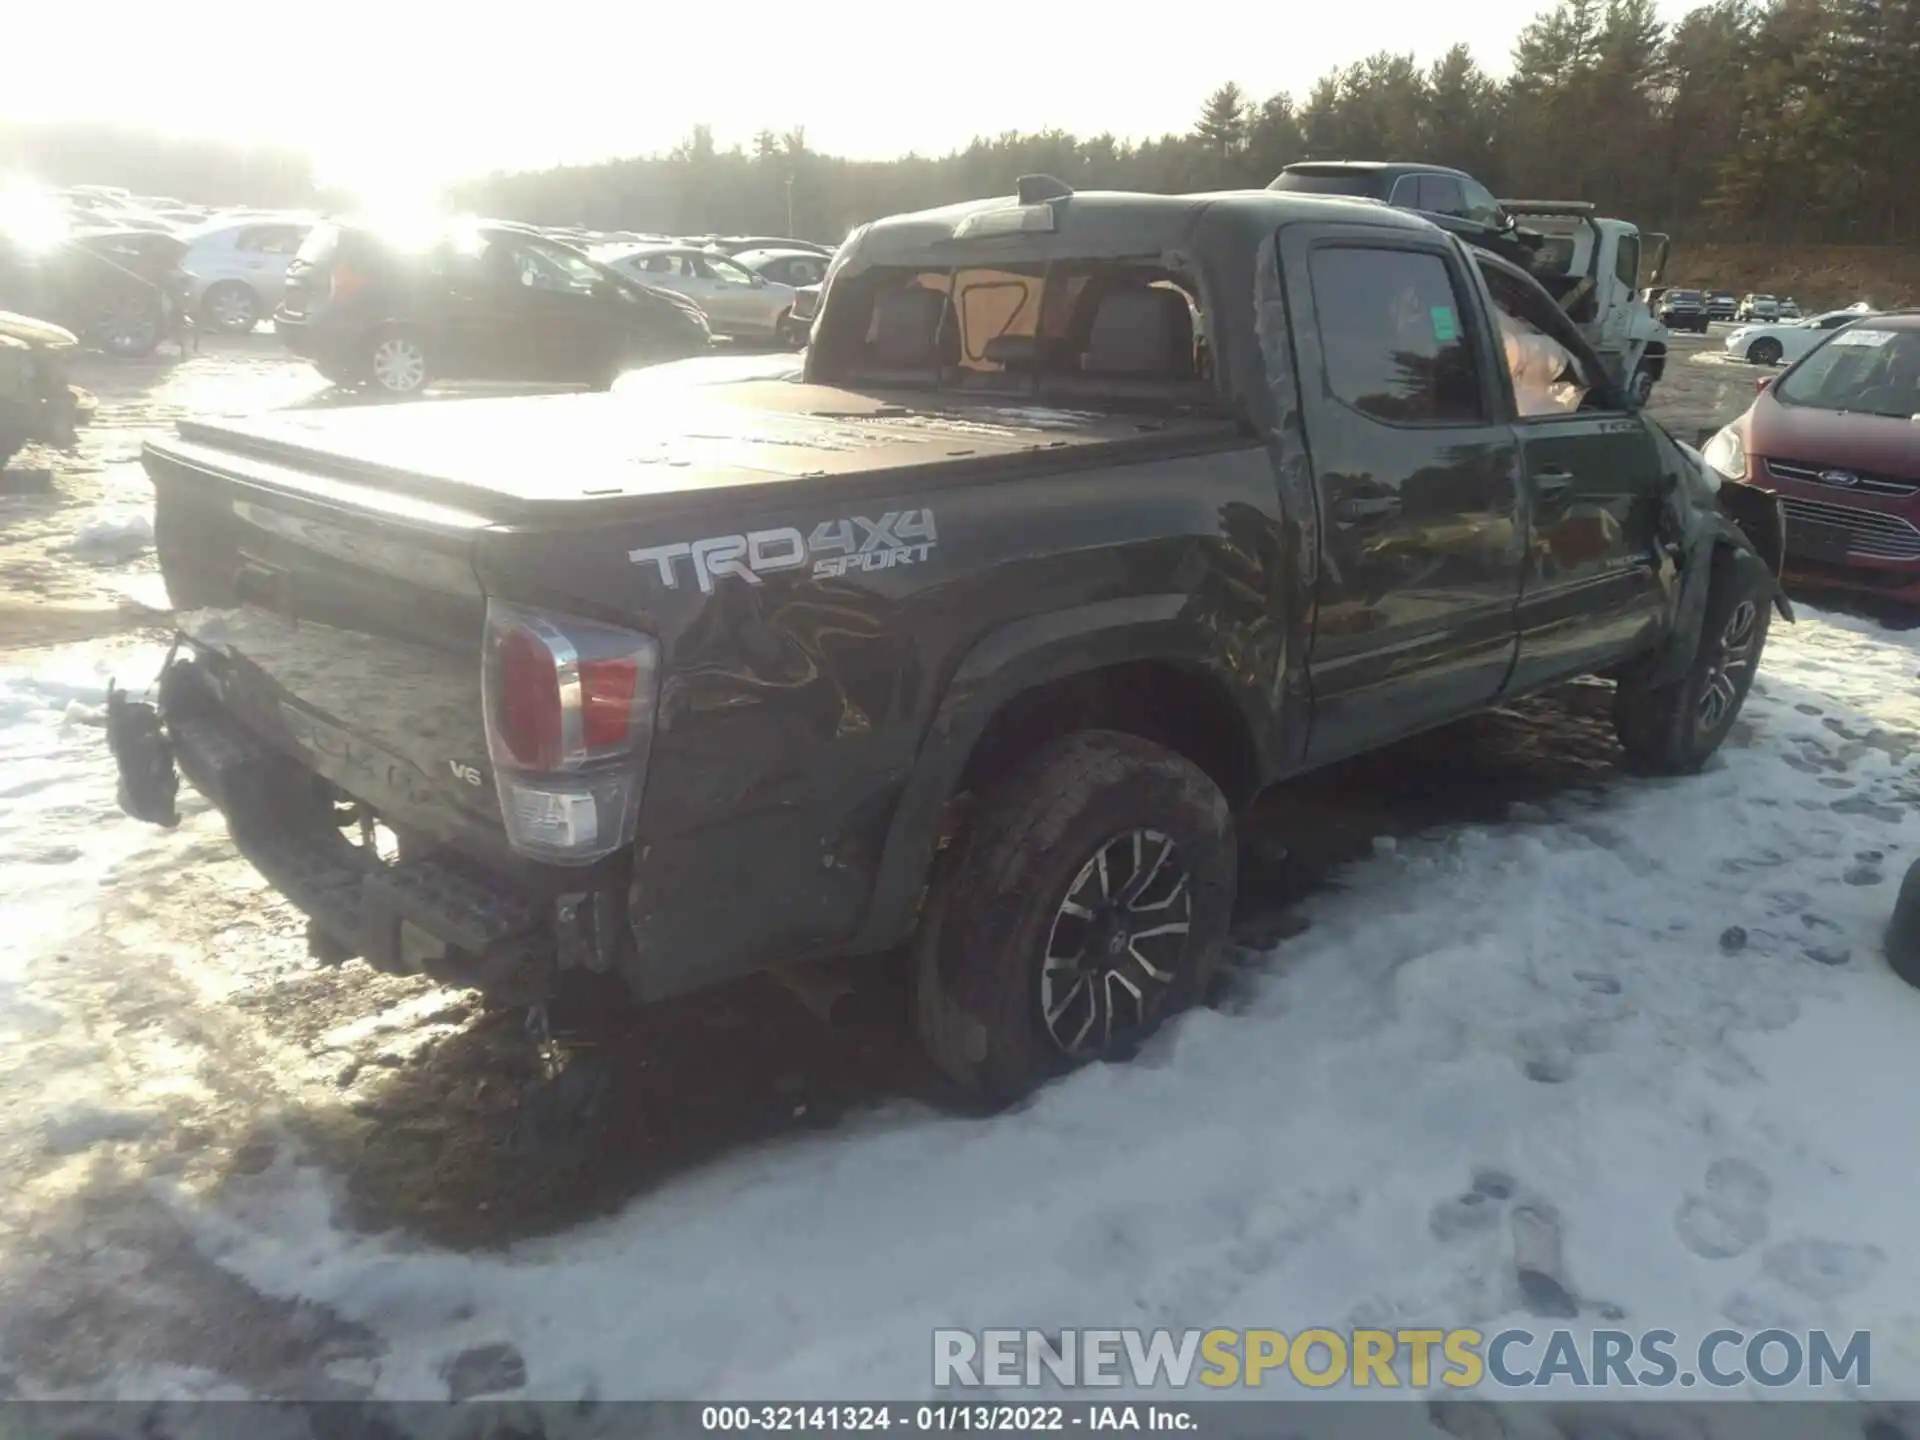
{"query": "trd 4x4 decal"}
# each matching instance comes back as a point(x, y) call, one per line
point(835, 548)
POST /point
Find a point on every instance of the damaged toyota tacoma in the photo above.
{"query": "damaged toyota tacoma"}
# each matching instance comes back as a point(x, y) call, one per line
point(1088, 517)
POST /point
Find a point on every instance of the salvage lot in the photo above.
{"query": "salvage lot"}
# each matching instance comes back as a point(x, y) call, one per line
point(1657, 1007)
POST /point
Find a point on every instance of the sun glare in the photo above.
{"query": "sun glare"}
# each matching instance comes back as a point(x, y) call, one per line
point(31, 216)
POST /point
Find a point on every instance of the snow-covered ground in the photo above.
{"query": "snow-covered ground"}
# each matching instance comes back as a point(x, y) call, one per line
point(1719, 1117)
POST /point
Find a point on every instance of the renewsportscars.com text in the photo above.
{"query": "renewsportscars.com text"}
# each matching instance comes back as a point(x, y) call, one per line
point(1461, 1359)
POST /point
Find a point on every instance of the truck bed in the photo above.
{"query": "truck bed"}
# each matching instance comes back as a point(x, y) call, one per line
point(527, 458)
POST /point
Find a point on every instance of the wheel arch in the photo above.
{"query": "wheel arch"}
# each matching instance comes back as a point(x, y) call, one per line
point(1134, 665)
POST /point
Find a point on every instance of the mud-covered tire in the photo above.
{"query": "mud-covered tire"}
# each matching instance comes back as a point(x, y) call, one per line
point(1002, 899)
point(1903, 929)
point(1674, 729)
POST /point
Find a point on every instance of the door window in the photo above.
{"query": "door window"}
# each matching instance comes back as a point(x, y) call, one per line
point(1440, 195)
point(1481, 207)
point(1548, 376)
point(1626, 263)
point(271, 240)
point(1393, 334)
point(548, 267)
point(725, 272)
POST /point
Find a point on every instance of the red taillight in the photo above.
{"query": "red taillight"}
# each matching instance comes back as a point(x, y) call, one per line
point(343, 283)
point(527, 708)
point(606, 701)
point(569, 716)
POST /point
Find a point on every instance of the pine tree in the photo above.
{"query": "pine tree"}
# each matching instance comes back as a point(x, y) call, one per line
point(1223, 122)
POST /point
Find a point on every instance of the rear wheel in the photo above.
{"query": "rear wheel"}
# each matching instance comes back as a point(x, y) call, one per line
point(1083, 906)
point(129, 326)
point(397, 362)
point(231, 308)
point(1674, 729)
point(1765, 352)
point(1641, 386)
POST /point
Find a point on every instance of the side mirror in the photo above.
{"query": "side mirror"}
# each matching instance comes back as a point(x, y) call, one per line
point(759, 282)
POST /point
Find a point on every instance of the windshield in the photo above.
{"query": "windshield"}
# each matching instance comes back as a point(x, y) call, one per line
point(1861, 369)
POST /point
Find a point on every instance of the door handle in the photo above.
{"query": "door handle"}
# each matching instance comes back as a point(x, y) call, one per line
point(1357, 511)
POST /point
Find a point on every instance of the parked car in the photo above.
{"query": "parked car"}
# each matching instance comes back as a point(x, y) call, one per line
point(736, 302)
point(478, 301)
point(1452, 199)
point(965, 649)
point(1789, 308)
point(1835, 435)
point(118, 290)
point(1758, 307)
point(792, 268)
point(1722, 305)
point(37, 405)
point(1684, 310)
point(237, 269)
point(1786, 340)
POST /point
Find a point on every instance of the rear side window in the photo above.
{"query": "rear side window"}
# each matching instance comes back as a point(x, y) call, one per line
point(1394, 337)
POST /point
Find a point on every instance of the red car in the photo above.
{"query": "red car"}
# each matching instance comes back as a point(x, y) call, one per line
point(1837, 435)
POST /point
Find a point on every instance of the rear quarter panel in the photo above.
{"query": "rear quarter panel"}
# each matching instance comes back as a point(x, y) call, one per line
point(800, 706)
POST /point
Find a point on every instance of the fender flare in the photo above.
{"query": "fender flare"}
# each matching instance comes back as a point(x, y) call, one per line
point(1002, 665)
point(1717, 533)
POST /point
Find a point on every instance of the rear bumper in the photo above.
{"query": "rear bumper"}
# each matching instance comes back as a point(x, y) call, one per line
point(436, 913)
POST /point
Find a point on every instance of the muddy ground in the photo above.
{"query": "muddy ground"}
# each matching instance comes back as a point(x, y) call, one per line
point(214, 1042)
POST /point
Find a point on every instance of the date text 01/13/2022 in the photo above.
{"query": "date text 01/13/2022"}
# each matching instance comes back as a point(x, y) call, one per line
point(944, 1418)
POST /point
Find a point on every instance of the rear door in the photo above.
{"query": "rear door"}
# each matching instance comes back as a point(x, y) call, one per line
point(1416, 466)
point(1591, 591)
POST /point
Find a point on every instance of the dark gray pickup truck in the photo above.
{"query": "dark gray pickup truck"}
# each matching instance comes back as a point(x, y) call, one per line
point(1091, 516)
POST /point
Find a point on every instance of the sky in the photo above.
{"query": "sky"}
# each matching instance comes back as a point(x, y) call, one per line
point(413, 93)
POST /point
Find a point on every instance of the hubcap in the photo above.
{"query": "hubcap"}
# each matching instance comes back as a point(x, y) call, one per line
point(232, 309)
point(127, 325)
point(399, 364)
point(1730, 666)
point(1117, 943)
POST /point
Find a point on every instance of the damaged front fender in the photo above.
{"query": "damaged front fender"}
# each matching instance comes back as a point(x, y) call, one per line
point(1704, 514)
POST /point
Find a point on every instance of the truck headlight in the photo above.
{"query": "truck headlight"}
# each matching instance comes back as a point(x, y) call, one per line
point(1726, 454)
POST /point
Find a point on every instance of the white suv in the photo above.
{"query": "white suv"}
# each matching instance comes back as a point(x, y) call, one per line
point(237, 268)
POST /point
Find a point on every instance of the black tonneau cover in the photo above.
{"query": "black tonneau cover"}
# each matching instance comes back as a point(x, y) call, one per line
point(500, 460)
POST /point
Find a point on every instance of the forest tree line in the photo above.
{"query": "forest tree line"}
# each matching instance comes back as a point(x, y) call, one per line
point(1778, 121)
point(1783, 121)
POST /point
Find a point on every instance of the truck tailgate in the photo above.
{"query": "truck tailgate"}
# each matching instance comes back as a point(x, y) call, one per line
point(340, 622)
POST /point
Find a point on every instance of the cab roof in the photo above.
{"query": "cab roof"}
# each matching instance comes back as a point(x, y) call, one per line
point(1097, 223)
